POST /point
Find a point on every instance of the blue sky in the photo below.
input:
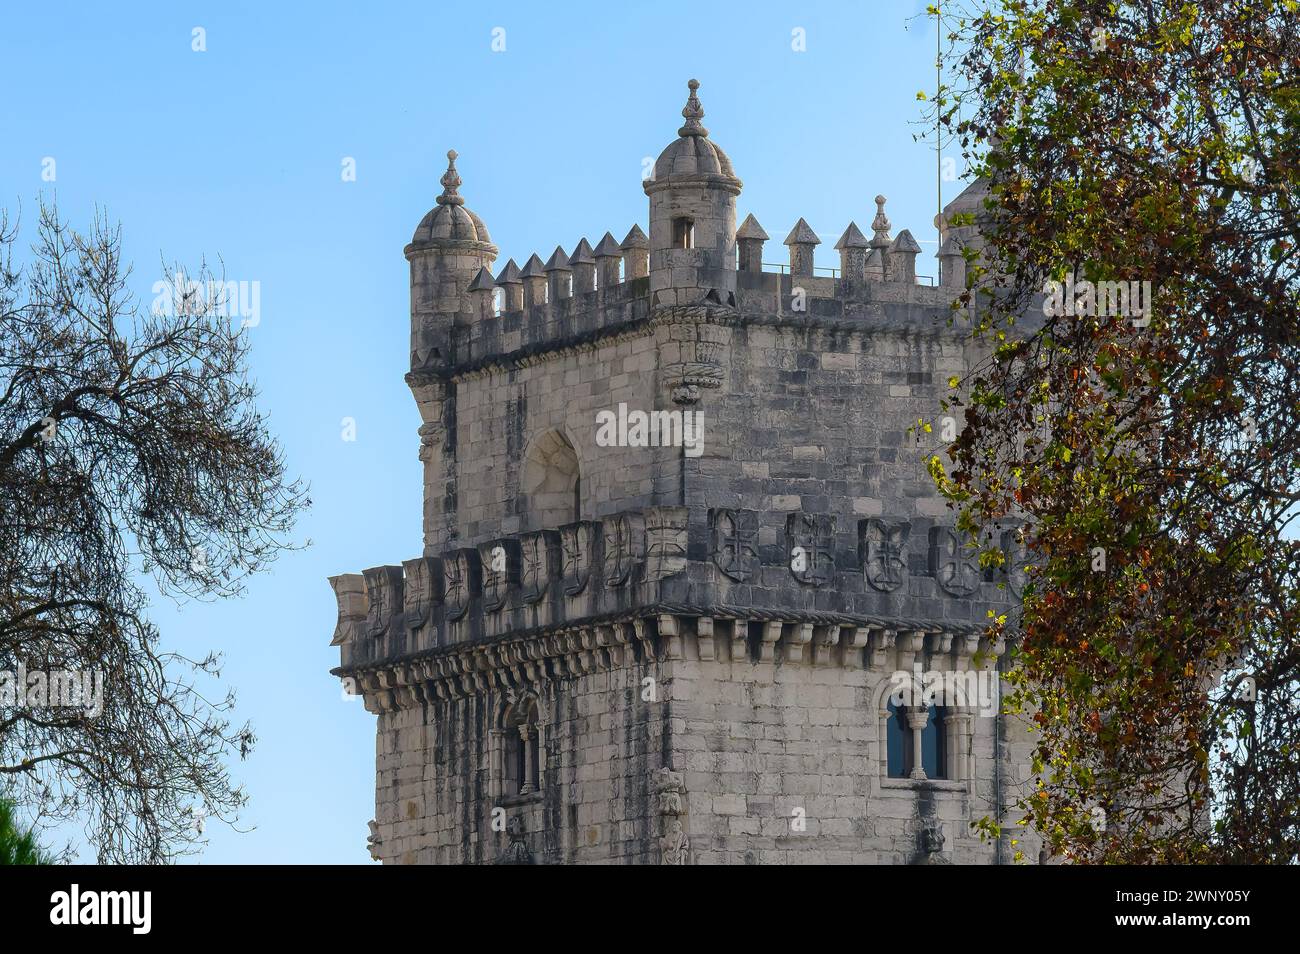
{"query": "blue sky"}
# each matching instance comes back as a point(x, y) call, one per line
point(237, 152)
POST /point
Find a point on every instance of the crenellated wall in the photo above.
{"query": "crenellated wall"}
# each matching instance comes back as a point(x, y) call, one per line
point(814, 343)
point(878, 571)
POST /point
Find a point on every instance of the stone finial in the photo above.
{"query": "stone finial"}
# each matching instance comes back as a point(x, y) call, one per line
point(749, 239)
point(583, 263)
point(852, 238)
point(880, 225)
point(450, 182)
point(582, 254)
point(512, 287)
point(900, 261)
point(904, 243)
point(510, 274)
point(481, 292)
point(693, 112)
point(636, 254)
point(608, 247)
point(608, 256)
point(878, 260)
point(853, 247)
point(952, 264)
point(534, 278)
point(635, 239)
point(559, 275)
point(802, 240)
point(558, 262)
point(802, 234)
point(750, 229)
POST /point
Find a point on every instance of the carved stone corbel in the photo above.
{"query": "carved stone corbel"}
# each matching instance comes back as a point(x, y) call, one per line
point(739, 641)
point(796, 642)
point(826, 640)
point(882, 647)
point(856, 639)
point(771, 635)
point(670, 636)
point(704, 638)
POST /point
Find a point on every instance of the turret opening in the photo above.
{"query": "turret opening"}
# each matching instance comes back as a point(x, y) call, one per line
point(683, 233)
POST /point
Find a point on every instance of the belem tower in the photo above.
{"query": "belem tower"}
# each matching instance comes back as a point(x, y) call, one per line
point(643, 652)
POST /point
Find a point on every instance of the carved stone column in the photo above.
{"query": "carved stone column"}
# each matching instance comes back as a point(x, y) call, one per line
point(958, 723)
point(497, 762)
point(527, 743)
point(918, 717)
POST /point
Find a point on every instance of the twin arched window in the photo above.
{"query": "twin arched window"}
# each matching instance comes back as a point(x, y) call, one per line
point(910, 730)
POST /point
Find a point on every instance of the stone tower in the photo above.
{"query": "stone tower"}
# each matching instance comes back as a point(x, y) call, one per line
point(685, 578)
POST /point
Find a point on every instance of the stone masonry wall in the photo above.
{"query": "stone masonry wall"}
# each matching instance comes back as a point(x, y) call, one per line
point(785, 764)
point(438, 784)
point(819, 418)
point(781, 762)
point(499, 413)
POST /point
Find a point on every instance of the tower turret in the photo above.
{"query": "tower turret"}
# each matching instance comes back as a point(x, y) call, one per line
point(450, 246)
point(692, 215)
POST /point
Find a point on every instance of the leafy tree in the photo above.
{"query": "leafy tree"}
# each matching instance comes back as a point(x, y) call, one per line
point(129, 442)
point(1152, 459)
point(18, 847)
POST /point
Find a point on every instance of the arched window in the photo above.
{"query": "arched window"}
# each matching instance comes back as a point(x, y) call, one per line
point(552, 483)
point(902, 738)
point(522, 763)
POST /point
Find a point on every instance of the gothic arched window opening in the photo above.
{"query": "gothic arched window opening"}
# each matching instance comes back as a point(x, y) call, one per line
point(552, 482)
point(522, 756)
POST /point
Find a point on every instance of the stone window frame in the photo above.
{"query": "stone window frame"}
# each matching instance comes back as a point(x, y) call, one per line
point(934, 729)
point(957, 748)
point(518, 741)
point(683, 232)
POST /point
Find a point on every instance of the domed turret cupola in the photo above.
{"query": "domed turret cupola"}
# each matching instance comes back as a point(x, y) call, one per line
point(692, 216)
point(450, 247)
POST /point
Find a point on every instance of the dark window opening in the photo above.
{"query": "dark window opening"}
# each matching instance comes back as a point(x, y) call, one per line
point(523, 750)
point(683, 233)
point(900, 744)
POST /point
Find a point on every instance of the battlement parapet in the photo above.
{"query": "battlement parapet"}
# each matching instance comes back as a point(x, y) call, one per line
point(760, 297)
point(901, 573)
